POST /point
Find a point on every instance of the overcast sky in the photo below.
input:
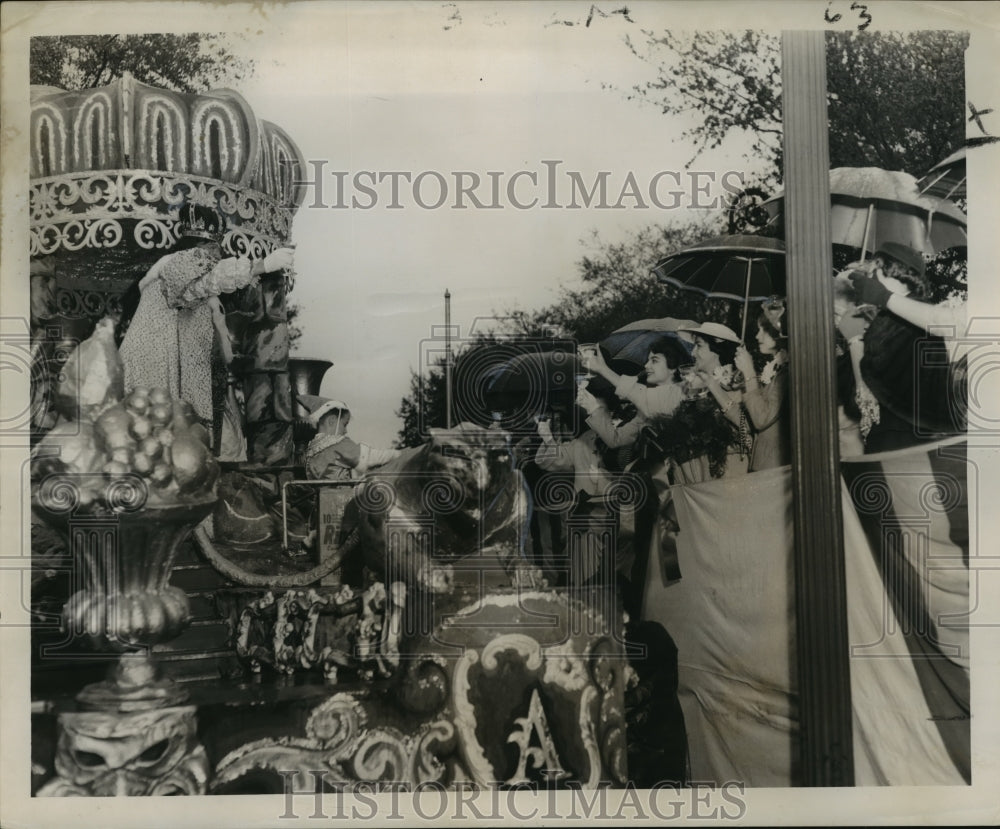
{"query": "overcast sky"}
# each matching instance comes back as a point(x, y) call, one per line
point(500, 90)
point(477, 88)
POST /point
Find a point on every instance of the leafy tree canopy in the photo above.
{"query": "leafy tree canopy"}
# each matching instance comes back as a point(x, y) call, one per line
point(614, 283)
point(896, 99)
point(616, 289)
point(182, 62)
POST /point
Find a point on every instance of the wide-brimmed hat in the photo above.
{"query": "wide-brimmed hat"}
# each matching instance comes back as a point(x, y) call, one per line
point(319, 406)
point(713, 329)
point(905, 255)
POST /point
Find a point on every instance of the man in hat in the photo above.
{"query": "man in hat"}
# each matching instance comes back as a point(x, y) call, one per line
point(947, 318)
point(332, 455)
point(898, 263)
point(896, 356)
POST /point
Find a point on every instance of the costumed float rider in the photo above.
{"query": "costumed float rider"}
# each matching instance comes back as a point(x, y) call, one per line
point(179, 319)
point(658, 396)
point(331, 455)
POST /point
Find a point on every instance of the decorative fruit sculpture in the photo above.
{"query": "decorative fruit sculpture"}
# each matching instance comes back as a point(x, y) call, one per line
point(148, 434)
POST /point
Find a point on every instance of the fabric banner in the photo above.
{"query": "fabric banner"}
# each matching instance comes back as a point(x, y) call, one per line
point(732, 616)
point(906, 540)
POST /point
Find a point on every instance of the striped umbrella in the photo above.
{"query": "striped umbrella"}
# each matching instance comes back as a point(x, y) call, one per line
point(739, 267)
point(870, 206)
point(946, 179)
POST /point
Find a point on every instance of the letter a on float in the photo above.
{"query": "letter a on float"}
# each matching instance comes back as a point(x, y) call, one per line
point(543, 756)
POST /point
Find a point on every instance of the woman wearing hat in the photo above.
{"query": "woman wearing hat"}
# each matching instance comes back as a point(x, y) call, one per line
point(332, 455)
point(708, 437)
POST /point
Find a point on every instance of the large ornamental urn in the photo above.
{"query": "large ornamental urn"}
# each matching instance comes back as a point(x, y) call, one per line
point(123, 557)
point(124, 486)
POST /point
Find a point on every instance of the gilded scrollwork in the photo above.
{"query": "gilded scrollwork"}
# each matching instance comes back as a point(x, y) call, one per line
point(435, 740)
point(77, 304)
point(86, 210)
point(607, 669)
point(591, 676)
point(337, 722)
point(340, 742)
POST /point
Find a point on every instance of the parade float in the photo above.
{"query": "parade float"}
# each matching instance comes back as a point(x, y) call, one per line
point(843, 604)
point(165, 606)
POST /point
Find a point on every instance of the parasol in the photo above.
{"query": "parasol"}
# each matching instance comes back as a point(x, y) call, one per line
point(870, 206)
point(629, 345)
point(946, 179)
point(535, 381)
point(739, 267)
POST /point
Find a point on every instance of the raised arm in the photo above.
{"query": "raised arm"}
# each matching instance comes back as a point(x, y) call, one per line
point(554, 457)
point(931, 318)
point(762, 403)
point(599, 419)
point(649, 400)
point(370, 456)
point(228, 275)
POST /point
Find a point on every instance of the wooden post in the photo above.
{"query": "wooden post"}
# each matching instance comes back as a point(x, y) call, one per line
point(826, 749)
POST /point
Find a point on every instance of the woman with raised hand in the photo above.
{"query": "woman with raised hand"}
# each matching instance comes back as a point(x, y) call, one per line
point(170, 339)
point(708, 435)
point(659, 396)
point(765, 396)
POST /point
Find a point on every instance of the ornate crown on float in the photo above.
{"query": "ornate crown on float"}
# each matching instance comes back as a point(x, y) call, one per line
point(199, 222)
point(110, 166)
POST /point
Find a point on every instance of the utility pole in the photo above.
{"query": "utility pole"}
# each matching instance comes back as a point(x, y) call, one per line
point(447, 356)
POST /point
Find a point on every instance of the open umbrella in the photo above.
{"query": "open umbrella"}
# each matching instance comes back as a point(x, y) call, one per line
point(535, 381)
point(870, 206)
point(738, 267)
point(628, 346)
point(946, 179)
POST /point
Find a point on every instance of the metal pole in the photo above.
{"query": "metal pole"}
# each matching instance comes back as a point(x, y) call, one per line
point(868, 229)
point(447, 356)
point(825, 738)
point(746, 301)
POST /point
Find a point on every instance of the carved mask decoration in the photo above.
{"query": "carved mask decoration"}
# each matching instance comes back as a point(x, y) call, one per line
point(122, 755)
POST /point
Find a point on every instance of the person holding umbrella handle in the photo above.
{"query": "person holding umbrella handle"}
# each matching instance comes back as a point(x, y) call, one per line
point(765, 396)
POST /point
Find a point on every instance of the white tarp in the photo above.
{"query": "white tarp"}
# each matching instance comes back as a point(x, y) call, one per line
point(732, 617)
